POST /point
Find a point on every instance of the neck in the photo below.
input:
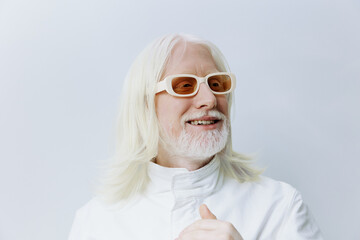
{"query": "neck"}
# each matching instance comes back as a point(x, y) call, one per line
point(167, 159)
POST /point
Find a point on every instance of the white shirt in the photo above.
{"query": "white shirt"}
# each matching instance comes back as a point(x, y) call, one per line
point(266, 209)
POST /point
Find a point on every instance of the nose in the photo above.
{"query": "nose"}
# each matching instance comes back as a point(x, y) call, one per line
point(204, 98)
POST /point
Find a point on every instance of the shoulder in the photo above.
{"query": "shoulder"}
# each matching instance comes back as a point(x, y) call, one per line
point(80, 226)
point(271, 190)
point(92, 214)
point(263, 195)
point(98, 206)
point(90, 208)
point(275, 207)
point(264, 186)
point(91, 205)
point(93, 218)
point(273, 186)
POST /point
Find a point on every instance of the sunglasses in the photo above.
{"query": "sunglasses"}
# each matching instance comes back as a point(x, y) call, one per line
point(187, 85)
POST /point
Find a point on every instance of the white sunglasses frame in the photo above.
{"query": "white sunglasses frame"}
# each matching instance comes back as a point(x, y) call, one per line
point(165, 84)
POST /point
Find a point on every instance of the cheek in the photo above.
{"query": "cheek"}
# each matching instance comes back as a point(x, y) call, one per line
point(222, 105)
point(161, 109)
point(169, 111)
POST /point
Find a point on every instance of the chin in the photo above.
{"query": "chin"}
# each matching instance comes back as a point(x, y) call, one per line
point(200, 145)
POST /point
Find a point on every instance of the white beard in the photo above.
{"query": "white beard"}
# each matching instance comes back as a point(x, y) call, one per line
point(199, 145)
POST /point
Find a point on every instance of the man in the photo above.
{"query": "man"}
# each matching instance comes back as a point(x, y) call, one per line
point(175, 175)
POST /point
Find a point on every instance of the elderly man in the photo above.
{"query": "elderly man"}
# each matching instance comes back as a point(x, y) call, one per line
point(175, 175)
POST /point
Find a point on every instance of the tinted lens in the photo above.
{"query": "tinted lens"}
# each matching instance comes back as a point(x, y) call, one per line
point(184, 85)
point(220, 83)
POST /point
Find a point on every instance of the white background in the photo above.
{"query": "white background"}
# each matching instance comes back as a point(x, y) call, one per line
point(62, 65)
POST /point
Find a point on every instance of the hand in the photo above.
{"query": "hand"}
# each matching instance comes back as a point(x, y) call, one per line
point(209, 228)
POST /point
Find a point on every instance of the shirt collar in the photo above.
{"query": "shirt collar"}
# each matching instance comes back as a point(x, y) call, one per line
point(182, 182)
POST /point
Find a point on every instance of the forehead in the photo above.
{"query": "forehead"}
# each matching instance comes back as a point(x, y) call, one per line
point(189, 57)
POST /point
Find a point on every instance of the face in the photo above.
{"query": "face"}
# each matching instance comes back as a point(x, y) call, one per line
point(192, 125)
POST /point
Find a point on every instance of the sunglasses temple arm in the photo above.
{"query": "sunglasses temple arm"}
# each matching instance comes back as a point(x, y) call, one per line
point(161, 86)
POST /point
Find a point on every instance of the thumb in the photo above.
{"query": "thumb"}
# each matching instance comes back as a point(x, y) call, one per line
point(205, 213)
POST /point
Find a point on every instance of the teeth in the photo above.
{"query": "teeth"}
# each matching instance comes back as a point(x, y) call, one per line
point(202, 122)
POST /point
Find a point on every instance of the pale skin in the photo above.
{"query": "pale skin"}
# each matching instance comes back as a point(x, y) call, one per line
point(208, 227)
point(192, 59)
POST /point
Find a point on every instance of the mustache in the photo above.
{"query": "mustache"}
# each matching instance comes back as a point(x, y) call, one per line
point(212, 113)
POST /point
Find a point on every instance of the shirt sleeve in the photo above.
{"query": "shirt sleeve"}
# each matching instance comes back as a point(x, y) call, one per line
point(299, 223)
point(77, 230)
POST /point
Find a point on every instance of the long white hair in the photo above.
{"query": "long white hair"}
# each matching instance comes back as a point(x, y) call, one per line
point(138, 128)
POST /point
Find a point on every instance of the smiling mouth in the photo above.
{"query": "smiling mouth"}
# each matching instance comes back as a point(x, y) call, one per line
point(203, 122)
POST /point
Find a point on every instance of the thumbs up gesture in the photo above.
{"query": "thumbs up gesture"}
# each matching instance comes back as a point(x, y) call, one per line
point(205, 213)
point(209, 228)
